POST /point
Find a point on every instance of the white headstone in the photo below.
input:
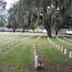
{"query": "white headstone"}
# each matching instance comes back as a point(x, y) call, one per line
point(35, 51)
point(36, 61)
point(70, 54)
point(58, 47)
point(65, 51)
point(61, 49)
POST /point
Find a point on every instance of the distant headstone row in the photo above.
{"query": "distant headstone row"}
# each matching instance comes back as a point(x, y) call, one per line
point(61, 48)
point(10, 45)
point(64, 41)
point(7, 40)
point(70, 40)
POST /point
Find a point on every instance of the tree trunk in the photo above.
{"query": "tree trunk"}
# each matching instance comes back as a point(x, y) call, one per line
point(23, 30)
point(49, 32)
point(47, 19)
point(13, 30)
point(47, 27)
point(56, 32)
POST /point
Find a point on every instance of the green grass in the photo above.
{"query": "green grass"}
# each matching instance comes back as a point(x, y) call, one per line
point(10, 39)
point(21, 54)
point(18, 55)
point(51, 54)
point(67, 39)
point(69, 48)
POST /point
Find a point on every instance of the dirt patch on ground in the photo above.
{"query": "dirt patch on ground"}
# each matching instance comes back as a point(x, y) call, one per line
point(58, 68)
point(30, 68)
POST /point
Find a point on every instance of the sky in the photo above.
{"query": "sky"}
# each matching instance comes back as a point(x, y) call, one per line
point(9, 3)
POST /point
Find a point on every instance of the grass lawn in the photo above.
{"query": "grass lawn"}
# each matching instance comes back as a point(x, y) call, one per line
point(69, 48)
point(21, 55)
point(51, 54)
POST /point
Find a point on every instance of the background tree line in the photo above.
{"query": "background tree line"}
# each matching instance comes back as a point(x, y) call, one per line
point(2, 13)
point(29, 14)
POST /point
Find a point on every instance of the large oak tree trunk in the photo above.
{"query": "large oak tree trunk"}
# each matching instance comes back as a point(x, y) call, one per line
point(56, 32)
point(13, 30)
point(23, 30)
point(49, 32)
point(48, 28)
point(47, 19)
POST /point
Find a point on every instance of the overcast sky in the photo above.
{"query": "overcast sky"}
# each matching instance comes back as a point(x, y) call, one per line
point(10, 2)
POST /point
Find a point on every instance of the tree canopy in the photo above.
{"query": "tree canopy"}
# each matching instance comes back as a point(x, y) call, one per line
point(49, 13)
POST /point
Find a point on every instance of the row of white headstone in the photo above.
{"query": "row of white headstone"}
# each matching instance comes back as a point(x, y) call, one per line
point(10, 45)
point(7, 46)
point(64, 41)
point(70, 40)
point(35, 54)
point(7, 40)
point(62, 49)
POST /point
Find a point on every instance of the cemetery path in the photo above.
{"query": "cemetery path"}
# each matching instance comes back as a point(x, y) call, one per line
point(51, 67)
point(31, 68)
point(47, 68)
point(39, 58)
